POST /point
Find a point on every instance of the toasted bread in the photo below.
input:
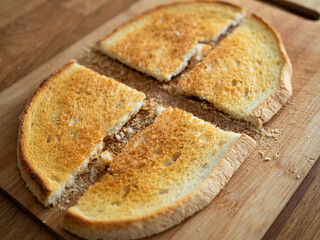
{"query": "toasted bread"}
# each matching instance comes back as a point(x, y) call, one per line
point(166, 173)
point(64, 124)
point(247, 76)
point(162, 41)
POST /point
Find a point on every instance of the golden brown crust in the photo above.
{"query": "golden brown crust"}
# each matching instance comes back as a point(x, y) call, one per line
point(64, 123)
point(119, 29)
point(31, 176)
point(172, 41)
point(249, 87)
point(272, 104)
point(171, 214)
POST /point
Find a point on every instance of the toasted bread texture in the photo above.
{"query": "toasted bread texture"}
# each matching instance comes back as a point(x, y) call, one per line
point(64, 124)
point(247, 76)
point(166, 173)
point(162, 41)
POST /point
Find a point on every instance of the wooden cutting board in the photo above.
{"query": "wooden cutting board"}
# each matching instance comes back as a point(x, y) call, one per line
point(259, 190)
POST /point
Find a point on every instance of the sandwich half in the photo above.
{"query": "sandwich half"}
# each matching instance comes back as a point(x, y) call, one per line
point(165, 173)
point(247, 76)
point(63, 126)
point(162, 41)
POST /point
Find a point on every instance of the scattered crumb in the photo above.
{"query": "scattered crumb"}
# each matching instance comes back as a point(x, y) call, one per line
point(261, 154)
point(267, 159)
point(81, 183)
point(87, 49)
point(145, 117)
point(198, 229)
point(61, 208)
point(276, 156)
point(298, 176)
point(118, 137)
point(128, 130)
point(308, 136)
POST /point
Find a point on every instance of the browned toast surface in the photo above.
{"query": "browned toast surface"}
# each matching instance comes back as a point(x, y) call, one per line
point(160, 170)
point(65, 122)
point(162, 41)
point(249, 67)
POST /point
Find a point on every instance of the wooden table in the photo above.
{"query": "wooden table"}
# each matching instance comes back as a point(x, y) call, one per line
point(32, 32)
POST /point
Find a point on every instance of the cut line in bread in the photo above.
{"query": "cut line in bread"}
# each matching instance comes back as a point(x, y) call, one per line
point(165, 173)
point(160, 165)
point(113, 145)
point(247, 76)
point(161, 42)
point(145, 117)
point(64, 124)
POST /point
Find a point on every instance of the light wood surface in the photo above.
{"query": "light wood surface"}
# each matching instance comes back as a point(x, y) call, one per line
point(259, 190)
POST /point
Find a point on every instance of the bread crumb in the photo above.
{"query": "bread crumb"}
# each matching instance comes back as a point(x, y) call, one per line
point(198, 229)
point(61, 208)
point(118, 137)
point(276, 156)
point(267, 159)
point(128, 130)
point(298, 176)
point(308, 136)
point(261, 154)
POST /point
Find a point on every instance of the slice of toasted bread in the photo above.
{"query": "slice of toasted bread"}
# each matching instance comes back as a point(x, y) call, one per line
point(247, 76)
point(166, 173)
point(162, 41)
point(64, 124)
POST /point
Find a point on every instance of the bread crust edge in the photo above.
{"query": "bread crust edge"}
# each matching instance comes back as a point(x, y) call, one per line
point(32, 178)
point(274, 102)
point(160, 78)
point(168, 216)
point(103, 39)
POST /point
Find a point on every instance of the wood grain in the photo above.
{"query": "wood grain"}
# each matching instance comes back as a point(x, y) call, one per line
point(20, 223)
point(298, 218)
point(85, 7)
point(29, 36)
point(11, 10)
point(303, 152)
